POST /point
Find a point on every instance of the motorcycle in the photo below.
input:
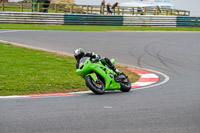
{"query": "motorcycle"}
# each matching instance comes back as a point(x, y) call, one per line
point(99, 77)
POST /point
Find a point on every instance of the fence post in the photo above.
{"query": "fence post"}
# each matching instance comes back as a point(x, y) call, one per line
point(2, 5)
point(170, 12)
point(87, 9)
point(156, 11)
point(101, 9)
point(38, 7)
point(133, 11)
point(118, 12)
point(21, 6)
point(82, 10)
point(71, 9)
point(144, 11)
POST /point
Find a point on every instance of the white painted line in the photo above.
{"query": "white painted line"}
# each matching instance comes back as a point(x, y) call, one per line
point(12, 96)
point(10, 31)
point(166, 78)
point(148, 76)
point(82, 92)
point(107, 107)
point(142, 83)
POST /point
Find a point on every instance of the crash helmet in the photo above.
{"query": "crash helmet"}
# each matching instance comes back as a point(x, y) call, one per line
point(79, 53)
point(117, 3)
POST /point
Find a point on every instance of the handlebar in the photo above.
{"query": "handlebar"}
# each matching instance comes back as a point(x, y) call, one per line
point(94, 61)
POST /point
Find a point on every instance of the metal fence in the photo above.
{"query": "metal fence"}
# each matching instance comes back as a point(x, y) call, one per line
point(86, 9)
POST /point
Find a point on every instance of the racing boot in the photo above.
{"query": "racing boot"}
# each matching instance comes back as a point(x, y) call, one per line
point(112, 66)
point(115, 70)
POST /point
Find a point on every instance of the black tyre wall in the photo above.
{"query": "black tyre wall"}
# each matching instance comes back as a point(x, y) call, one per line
point(93, 88)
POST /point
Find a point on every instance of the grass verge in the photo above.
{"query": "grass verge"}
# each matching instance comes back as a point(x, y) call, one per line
point(27, 71)
point(92, 28)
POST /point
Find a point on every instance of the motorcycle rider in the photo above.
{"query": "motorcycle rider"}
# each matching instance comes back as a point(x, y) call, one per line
point(79, 53)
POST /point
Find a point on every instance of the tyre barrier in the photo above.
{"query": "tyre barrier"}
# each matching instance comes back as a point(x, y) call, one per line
point(94, 19)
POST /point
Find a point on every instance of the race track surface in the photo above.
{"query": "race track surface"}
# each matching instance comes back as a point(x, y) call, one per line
point(173, 107)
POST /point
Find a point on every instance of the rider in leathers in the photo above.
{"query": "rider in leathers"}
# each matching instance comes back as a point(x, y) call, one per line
point(79, 53)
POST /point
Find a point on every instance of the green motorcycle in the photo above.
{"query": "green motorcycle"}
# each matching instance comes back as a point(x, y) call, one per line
point(99, 77)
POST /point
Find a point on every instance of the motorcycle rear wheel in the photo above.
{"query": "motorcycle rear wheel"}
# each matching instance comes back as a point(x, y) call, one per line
point(96, 87)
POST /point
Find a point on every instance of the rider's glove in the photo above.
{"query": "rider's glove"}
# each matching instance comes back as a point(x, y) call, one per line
point(94, 60)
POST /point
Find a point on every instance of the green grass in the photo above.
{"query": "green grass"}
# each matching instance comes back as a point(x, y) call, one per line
point(27, 71)
point(92, 28)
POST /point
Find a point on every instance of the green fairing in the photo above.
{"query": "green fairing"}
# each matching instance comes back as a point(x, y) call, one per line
point(93, 76)
point(87, 68)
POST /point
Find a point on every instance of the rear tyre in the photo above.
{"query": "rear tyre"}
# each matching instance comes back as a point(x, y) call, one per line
point(96, 87)
point(125, 85)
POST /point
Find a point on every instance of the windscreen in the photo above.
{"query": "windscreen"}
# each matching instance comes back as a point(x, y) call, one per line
point(82, 61)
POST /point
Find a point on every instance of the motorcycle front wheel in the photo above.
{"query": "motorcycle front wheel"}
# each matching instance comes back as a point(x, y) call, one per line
point(97, 87)
point(126, 85)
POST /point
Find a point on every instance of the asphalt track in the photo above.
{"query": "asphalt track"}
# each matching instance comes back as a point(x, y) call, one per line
point(173, 107)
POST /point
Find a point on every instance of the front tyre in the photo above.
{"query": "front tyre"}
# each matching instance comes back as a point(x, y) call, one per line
point(96, 87)
point(125, 85)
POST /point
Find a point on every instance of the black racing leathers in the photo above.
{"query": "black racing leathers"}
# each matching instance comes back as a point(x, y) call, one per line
point(96, 57)
point(92, 55)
